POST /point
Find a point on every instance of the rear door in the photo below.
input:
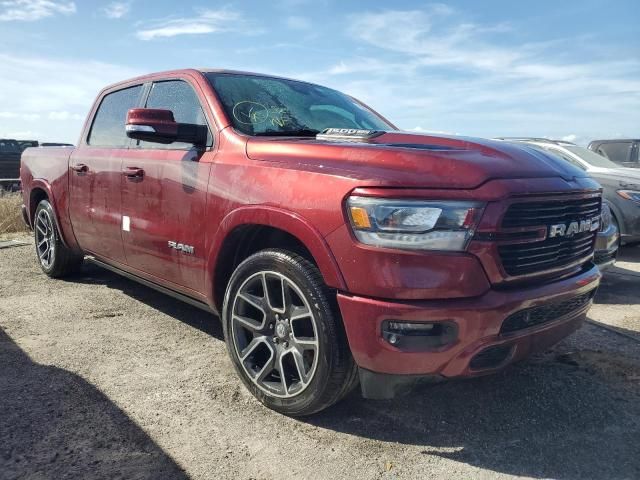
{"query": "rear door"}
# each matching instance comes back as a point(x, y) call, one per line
point(164, 208)
point(95, 176)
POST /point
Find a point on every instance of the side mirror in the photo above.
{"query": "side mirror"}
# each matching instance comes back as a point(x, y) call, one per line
point(159, 126)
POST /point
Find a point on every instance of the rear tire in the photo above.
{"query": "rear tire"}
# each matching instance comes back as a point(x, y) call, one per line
point(284, 334)
point(55, 259)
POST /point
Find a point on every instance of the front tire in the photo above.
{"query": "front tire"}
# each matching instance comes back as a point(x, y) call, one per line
point(284, 334)
point(55, 259)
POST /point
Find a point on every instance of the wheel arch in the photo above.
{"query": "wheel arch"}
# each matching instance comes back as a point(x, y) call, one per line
point(618, 217)
point(250, 229)
point(41, 190)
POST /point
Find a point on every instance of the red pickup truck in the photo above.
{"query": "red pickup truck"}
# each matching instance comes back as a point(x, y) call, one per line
point(336, 249)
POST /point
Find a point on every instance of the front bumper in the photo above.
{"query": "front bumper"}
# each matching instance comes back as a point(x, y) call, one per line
point(478, 319)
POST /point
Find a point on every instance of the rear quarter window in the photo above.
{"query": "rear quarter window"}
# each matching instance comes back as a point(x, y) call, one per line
point(108, 129)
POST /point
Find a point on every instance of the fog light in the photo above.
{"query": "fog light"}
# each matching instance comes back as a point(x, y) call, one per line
point(407, 328)
point(419, 336)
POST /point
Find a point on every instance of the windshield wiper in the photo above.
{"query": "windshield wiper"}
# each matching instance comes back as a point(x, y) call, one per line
point(304, 132)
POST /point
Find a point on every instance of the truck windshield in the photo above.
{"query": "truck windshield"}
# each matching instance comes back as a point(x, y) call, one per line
point(592, 158)
point(270, 106)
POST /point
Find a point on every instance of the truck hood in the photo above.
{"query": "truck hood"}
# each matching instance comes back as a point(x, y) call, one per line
point(413, 160)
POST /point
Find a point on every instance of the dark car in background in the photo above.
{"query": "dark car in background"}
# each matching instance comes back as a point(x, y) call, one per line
point(621, 185)
point(10, 152)
point(24, 144)
point(624, 152)
point(56, 144)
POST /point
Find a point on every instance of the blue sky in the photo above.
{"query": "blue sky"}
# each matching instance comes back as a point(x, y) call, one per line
point(545, 68)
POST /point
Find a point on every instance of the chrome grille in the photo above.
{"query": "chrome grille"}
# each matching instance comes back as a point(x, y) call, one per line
point(550, 253)
point(533, 214)
point(524, 258)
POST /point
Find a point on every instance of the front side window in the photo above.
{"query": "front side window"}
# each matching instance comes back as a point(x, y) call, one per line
point(259, 105)
point(108, 129)
point(616, 151)
point(181, 99)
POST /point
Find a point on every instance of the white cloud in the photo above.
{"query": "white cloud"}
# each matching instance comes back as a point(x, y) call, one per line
point(295, 22)
point(21, 115)
point(64, 115)
point(117, 10)
point(51, 96)
point(419, 129)
point(207, 21)
point(432, 66)
point(31, 10)
point(572, 137)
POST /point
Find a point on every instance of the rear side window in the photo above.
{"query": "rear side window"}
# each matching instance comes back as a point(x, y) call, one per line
point(108, 125)
point(181, 99)
point(617, 151)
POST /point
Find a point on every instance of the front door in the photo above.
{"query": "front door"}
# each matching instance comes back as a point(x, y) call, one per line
point(164, 196)
point(95, 175)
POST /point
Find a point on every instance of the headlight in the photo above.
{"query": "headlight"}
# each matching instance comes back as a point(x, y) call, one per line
point(630, 195)
point(413, 224)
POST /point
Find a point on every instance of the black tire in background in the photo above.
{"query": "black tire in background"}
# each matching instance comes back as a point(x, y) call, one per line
point(284, 334)
point(55, 259)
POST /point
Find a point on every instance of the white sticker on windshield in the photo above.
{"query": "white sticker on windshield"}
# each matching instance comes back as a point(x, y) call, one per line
point(126, 223)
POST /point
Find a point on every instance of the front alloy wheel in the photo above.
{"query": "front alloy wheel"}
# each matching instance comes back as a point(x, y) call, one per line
point(275, 334)
point(284, 334)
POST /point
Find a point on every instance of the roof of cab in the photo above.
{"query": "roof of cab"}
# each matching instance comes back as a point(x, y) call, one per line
point(197, 71)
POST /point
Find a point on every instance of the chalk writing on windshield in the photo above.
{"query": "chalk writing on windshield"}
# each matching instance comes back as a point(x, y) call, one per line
point(255, 113)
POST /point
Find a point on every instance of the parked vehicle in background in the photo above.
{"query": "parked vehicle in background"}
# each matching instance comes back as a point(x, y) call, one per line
point(624, 152)
point(24, 144)
point(335, 247)
point(607, 241)
point(9, 164)
point(621, 186)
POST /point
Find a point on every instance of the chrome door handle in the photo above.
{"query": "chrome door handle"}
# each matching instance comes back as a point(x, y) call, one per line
point(80, 168)
point(133, 172)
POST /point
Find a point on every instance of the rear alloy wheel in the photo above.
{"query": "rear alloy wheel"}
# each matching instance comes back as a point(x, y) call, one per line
point(284, 336)
point(56, 260)
point(45, 238)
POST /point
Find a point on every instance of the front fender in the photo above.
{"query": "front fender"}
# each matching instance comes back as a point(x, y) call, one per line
point(284, 220)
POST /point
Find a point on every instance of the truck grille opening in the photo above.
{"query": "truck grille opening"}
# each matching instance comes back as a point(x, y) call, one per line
point(535, 316)
point(552, 253)
point(490, 357)
point(534, 214)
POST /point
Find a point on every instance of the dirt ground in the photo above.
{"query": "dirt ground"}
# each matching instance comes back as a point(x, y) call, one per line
point(104, 378)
